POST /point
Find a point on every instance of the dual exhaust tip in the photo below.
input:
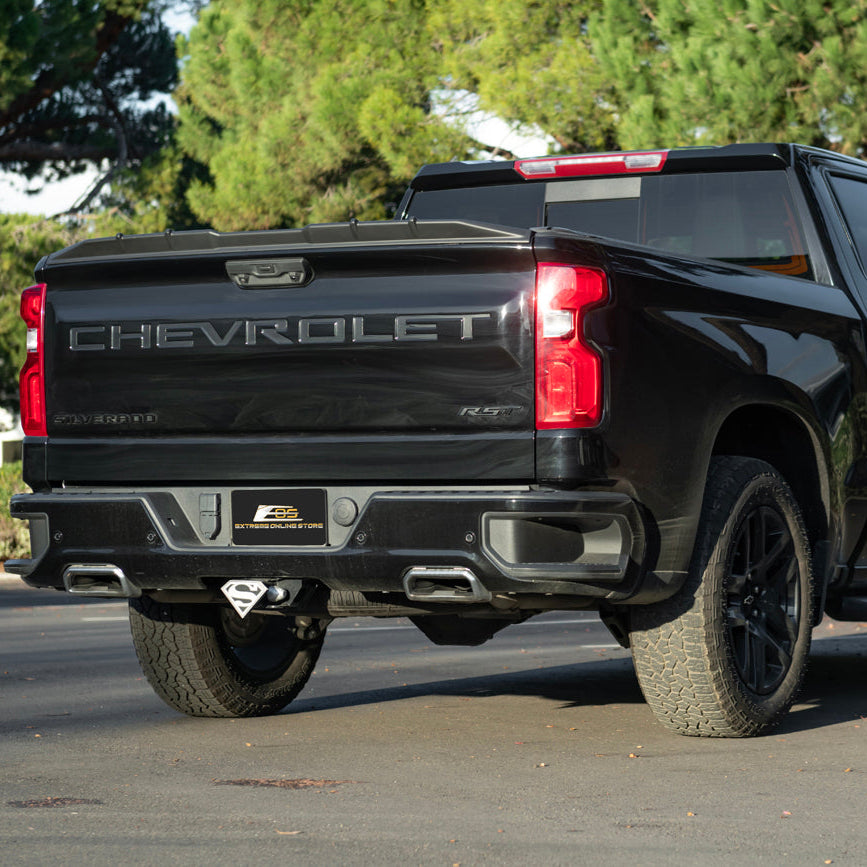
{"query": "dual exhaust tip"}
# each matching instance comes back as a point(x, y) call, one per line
point(447, 584)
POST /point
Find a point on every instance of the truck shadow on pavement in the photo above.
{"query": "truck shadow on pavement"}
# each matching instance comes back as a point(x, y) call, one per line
point(610, 681)
point(834, 688)
point(833, 691)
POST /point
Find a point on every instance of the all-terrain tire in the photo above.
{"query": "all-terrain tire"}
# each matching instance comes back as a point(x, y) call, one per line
point(205, 661)
point(725, 657)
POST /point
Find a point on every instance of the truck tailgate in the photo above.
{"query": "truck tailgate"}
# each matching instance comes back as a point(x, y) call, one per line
point(355, 351)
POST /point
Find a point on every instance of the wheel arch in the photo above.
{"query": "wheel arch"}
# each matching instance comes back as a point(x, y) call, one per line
point(782, 439)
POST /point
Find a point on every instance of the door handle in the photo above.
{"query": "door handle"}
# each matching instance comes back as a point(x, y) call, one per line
point(269, 273)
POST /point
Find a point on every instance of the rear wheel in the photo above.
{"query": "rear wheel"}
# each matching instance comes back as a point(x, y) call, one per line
point(725, 657)
point(204, 660)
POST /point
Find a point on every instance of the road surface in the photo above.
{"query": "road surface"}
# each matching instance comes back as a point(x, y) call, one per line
point(534, 749)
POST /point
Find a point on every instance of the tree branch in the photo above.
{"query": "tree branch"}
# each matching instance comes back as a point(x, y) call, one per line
point(37, 152)
point(120, 160)
point(566, 145)
point(495, 151)
point(54, 125)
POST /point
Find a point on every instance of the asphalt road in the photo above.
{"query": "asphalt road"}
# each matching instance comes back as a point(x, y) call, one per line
point(534, 749)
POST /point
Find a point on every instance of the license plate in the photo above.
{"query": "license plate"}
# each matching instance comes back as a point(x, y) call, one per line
point(284, 517)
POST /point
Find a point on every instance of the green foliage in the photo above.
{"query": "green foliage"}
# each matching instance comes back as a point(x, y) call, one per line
point(718, 71)
point(14, 534)
point(531, 63)
point(151, 198)
point(309, 111)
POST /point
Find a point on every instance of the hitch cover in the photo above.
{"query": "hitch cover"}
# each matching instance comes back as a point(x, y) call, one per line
point(243, 595)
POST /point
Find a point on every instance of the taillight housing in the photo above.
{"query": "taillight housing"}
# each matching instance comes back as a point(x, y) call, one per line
point(32, 379)
point(569, 388)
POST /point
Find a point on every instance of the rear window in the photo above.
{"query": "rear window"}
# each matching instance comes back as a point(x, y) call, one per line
point(518, 204)
point(746, 218)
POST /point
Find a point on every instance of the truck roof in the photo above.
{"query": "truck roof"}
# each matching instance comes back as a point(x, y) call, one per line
point(734, 157)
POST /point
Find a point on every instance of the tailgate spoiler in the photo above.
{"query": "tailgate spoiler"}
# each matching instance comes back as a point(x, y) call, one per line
point(332, 235)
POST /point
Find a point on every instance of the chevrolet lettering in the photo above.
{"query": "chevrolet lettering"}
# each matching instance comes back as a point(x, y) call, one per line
point(251, 332)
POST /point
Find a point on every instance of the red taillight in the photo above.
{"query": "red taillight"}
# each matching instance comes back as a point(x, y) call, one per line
point(32, 378)
point(568, 370)
point(591, 164)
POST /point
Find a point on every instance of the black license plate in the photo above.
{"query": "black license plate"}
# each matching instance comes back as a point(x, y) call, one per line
point(285, 517)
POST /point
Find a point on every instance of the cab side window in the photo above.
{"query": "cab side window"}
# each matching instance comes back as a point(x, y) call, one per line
point(851, 196)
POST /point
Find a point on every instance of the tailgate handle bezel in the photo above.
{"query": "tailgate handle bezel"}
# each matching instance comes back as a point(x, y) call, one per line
point(269, 273)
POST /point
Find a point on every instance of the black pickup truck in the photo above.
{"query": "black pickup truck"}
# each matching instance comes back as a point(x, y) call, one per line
point(632, 383)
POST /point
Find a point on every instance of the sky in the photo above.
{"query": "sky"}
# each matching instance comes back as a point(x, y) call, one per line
point(53, 199)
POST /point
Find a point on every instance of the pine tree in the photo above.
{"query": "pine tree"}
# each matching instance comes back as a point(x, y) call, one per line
point(719, 71)
point(530, 63)
point(308, 111)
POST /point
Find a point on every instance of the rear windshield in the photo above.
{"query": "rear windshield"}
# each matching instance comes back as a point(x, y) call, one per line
point(746, 218)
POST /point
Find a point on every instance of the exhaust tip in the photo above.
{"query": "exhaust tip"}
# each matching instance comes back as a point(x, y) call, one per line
point(444, 584)
point(99, 579)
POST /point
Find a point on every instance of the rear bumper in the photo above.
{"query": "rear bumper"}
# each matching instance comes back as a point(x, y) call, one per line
point(588, 544)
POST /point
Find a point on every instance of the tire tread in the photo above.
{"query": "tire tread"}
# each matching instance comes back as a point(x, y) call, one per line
point(675, 649)
point(181, 659)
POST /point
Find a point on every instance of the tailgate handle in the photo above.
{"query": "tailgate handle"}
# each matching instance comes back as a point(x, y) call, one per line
point(269, 273)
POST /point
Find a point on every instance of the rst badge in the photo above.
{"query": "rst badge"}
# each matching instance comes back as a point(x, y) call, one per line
point(279, 517)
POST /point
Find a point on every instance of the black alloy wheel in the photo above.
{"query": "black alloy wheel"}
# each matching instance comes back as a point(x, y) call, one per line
point(260, 646)
point(763, 609)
